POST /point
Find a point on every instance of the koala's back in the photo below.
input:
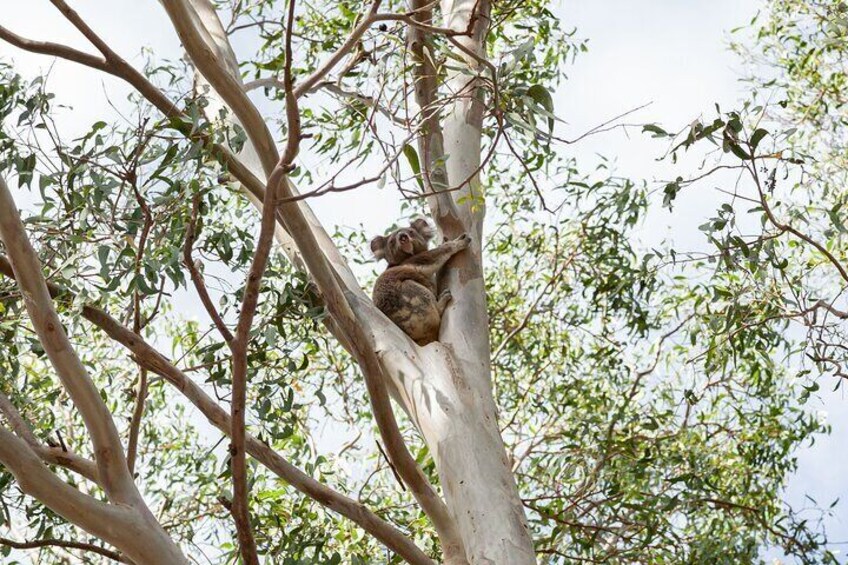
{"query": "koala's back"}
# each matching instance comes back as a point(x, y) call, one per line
point(408, 298)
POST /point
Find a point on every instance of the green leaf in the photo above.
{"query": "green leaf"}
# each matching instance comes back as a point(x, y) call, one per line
point(757, 137)
point(142, 285)
point(738, 151)
point(103, 257)
point(655, 129)
point(412, 156)
point(541, 96)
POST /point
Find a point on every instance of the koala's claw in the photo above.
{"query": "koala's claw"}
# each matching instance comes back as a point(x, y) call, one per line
point(445, 298)
point(463, 241)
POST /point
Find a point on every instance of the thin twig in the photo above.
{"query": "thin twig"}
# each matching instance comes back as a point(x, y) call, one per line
point(65, 544)
point(192, 232)
point(787, 228)
point(141, 389)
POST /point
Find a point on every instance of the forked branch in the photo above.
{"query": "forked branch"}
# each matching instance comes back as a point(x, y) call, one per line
point(146, 356)
point(108, 450)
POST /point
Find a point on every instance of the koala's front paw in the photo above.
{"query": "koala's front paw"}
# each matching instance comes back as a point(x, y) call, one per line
point(445, 298)
point(462, 242)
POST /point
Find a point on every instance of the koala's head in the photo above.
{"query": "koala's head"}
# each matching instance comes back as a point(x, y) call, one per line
point(403, 243)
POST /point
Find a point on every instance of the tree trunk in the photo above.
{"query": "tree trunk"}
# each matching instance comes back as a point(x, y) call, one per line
point(445, 387)
point(450, 396)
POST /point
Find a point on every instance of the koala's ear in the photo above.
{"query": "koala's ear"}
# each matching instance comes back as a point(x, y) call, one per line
point(421, 226)
point(378, 247)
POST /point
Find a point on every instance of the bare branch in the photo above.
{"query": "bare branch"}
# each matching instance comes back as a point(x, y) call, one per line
point(196, 276)
point(49, 454)
point(97, 518)
point(55, 49)
point(826, 306)
point(19, 425)
point(72, 16)
point(65, 544)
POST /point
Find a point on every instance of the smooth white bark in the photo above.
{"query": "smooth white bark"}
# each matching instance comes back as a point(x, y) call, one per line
point(134, 534)
point(127, 522)
point(108, 450)
point(447, 391)
point(446, 388)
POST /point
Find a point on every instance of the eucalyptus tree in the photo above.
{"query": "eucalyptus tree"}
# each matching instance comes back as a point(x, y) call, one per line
point(570, 366)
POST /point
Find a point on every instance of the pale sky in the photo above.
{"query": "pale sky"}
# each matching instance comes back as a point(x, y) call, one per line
point(670, 53)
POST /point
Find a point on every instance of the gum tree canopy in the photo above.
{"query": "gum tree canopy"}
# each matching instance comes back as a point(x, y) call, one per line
point(588, 399)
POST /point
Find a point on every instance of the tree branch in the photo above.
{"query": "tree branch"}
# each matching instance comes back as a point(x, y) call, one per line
point(787, 228)
point(55, 49)
point(182, 123)
point(431, 141)
point(65, 544)
point(403, 462)
point(355, 35)
point(141, 389)
point(98, 518)
point(48, 454)
point(250, 302)
point(135, 419)
point(192, 230)
point(109, 453)
point(148, 357)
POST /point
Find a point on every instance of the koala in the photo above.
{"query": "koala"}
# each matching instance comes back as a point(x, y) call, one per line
point(406, 291)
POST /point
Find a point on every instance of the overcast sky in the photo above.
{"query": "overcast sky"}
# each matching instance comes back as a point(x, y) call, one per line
point(669, 53)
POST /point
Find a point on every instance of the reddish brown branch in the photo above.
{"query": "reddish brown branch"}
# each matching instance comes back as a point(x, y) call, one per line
point(431, 141)
point(56, 50)
point(141, 389)
point(192, 232)
point(65, 544)
point(787, 228)
point(148, 357)
point(249, 304)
